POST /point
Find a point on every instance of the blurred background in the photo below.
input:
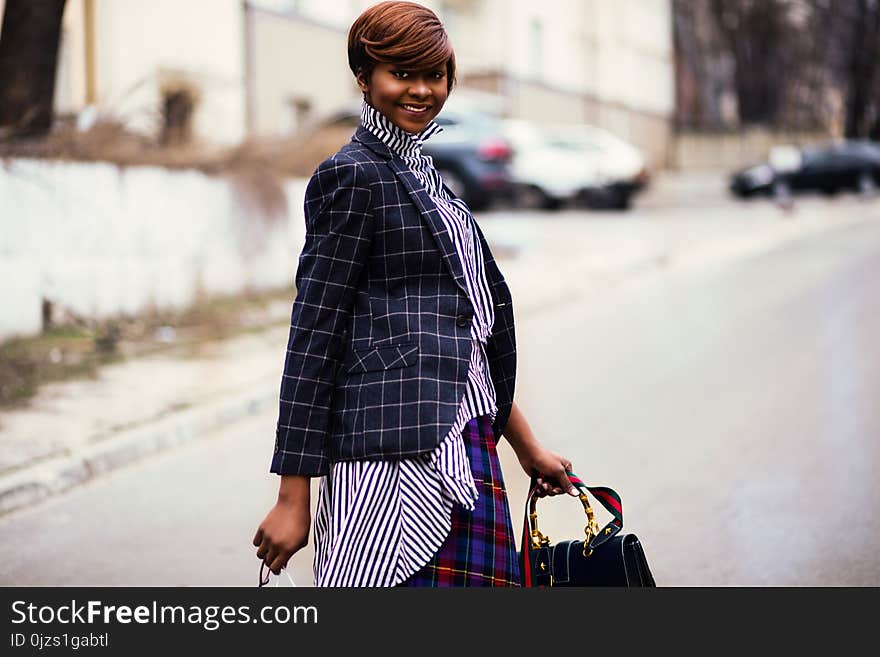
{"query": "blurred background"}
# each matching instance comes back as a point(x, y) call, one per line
point(682, 195)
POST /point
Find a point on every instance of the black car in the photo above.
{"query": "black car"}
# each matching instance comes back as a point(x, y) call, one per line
point(472, 157)
point(844, 165)
point(470, 153)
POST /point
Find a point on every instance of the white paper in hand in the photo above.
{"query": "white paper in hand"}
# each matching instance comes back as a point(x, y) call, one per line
point(280, 580)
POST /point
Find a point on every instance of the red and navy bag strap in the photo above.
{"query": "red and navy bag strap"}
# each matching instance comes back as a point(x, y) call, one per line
point(608, 498)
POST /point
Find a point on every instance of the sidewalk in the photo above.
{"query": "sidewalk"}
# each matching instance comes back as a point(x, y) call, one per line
point(76, 430)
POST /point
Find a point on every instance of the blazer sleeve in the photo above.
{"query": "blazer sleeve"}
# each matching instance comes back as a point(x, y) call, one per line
point(339, 229)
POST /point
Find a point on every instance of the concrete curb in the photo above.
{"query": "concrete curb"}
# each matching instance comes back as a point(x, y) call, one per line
point(34, 483)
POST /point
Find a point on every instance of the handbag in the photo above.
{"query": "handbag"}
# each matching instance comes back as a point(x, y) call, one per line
point(603, 558)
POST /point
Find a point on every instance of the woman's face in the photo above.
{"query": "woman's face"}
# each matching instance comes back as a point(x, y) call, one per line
point(409, 98)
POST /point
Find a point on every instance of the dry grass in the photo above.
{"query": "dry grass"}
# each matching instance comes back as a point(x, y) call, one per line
point(26, 363)
point(109, 141)
point(78, 347)
point(257, 167)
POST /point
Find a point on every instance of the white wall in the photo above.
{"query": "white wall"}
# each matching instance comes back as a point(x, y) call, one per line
point(634, 54)
point(333, 13)
point(137, 41)
point(617, 51)
point(296, 60)
point(100, 240)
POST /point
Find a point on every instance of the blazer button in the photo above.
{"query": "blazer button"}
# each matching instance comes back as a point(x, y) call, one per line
point(462, 320)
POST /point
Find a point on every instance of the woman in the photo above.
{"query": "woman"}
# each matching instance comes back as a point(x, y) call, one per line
point(400, 366)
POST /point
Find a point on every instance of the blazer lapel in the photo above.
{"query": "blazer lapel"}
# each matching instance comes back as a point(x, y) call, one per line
point(422, 200)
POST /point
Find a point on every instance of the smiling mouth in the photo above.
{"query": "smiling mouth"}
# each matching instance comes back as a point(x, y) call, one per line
point(415, 108)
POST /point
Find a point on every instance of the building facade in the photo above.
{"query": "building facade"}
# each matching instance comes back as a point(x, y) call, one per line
point(126, 58)
point(605, 62)
point(271, 67)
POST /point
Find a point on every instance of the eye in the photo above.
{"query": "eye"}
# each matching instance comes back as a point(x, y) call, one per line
point(400, 75)
point(438, 75)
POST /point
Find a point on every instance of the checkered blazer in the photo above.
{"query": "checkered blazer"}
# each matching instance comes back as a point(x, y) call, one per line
point(379, 344)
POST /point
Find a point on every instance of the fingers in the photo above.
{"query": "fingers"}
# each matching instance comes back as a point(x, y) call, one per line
point(258, 537)
point(263, 548)
point(273, 556)
point(268, 551)
point(566, 482)
point(547, 489)
point(561, 484)
point(279, 562)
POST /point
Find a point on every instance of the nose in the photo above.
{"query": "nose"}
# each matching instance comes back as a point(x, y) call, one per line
point(419, 88)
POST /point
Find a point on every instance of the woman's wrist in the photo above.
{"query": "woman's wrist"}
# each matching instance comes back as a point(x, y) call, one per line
point(523, 445)
point(294, 490)
point(519, 434)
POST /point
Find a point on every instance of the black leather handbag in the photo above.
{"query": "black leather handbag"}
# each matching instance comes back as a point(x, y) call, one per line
point(603, 558)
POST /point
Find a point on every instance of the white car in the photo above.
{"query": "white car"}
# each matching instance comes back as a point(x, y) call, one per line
point(616, 169)
point(556, 164)
point(545, 173)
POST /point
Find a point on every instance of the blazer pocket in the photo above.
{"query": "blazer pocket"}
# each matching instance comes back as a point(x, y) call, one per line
point(384, 358)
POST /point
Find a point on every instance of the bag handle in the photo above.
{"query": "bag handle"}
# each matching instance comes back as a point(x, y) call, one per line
point(533, 539)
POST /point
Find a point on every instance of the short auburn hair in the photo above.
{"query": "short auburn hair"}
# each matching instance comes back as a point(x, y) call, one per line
point(403, 33)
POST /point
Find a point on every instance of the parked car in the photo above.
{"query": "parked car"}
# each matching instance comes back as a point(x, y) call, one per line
point(471, 154)
point(558, 164)
point(619, 169)
point(544, 173)
point(828, 168)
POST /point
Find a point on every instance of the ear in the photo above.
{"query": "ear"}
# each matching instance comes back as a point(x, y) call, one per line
point(362, 82)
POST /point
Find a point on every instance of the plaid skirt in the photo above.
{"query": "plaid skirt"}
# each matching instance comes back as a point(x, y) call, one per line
point(480, 549)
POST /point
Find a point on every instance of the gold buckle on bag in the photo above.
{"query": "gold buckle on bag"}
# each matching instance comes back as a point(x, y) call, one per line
point(539, 540)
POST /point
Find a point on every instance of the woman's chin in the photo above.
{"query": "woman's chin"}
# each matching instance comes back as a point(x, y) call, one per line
point(406, 121)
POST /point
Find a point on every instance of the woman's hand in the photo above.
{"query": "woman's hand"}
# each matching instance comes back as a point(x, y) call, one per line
point(537, 461)
point(550, 469)
point(285, 529)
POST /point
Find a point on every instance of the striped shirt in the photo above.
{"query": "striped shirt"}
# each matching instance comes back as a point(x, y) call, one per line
point(378, 522)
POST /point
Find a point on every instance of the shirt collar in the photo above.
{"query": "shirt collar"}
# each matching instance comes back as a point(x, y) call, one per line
point(401, 142)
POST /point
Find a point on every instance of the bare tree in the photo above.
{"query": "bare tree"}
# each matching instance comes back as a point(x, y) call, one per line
point(793, 63)
point(733, 52)
point(849, 34)
point(756, 33)
point(702, 67)
point(28, 59)
point(862, 69)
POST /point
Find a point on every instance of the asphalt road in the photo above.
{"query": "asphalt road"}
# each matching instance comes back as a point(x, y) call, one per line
point(733, 406)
